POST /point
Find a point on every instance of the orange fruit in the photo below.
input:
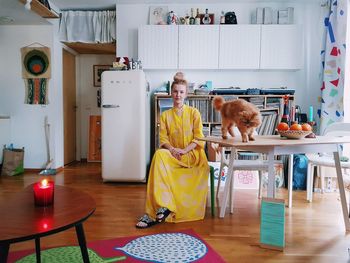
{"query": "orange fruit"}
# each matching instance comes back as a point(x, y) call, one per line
point(282, 126)
point(306, 127)
point(296, 127)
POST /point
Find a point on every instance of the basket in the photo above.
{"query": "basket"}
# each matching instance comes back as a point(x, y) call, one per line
point(291, 134)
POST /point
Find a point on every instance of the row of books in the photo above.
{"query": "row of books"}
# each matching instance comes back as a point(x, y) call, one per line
point(271, 111)
point(269, 121)
point(209, 114)
point(268, 125)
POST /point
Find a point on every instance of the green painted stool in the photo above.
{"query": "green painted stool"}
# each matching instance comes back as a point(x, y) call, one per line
point(212, 191)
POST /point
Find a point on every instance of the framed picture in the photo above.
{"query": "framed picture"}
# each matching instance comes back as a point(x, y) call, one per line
point(158, 15)
point(98, 69)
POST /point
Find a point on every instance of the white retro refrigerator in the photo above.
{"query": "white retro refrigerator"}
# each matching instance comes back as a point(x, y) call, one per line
point(125, 126)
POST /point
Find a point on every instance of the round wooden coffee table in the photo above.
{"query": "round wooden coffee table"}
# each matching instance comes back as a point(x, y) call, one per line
point(21, 220)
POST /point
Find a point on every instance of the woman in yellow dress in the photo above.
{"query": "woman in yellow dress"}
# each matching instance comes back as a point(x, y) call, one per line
point(178, 178)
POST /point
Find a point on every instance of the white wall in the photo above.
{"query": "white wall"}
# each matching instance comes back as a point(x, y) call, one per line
point(305, 81)
point(27, 121)
point(57, 146)
point(87, 96)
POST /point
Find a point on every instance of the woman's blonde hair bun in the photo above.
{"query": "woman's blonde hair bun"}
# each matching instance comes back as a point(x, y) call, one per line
point(179, 76)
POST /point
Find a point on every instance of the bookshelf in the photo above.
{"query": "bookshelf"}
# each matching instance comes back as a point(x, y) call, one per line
point(271, 108)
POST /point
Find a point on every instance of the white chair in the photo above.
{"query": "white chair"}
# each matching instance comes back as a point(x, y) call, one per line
point(246, 165)
point(325, 160)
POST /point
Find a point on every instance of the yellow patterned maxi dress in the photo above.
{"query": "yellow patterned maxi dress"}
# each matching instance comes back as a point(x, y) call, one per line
point(179, 185)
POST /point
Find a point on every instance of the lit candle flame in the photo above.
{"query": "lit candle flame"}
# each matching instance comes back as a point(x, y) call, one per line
point(44, 183)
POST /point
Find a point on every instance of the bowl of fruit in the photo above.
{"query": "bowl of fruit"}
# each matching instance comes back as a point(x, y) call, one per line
point(295, 131)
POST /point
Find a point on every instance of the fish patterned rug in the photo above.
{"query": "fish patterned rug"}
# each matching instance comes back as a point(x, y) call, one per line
point(182, 246)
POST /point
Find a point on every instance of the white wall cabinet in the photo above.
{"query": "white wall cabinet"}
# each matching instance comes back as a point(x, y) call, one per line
point(281, 47)
point(199, 47)
point(221, 47)
point(158, 46)
point(239, 47)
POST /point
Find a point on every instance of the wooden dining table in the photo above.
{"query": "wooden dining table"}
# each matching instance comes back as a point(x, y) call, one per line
point(272, 145)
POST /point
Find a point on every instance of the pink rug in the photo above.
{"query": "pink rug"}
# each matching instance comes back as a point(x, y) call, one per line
point(182, 246)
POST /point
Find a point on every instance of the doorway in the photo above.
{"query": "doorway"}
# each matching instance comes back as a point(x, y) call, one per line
point(69, 106)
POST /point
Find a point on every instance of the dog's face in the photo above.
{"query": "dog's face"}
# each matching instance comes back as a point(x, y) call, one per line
point(249, 119)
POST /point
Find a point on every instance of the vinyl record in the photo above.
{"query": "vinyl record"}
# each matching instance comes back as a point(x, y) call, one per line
point(36, 62)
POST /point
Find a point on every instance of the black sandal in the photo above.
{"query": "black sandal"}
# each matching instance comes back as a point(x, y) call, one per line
point(162, 214)
point(147, 220)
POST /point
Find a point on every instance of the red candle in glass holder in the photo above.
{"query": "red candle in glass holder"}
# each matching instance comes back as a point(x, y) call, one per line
point(43, 193)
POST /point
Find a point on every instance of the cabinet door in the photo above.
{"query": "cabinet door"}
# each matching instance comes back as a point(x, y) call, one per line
point(158, 46)
point(94, 138)
point(281, 47)
point(198, 47)
point(239, 47)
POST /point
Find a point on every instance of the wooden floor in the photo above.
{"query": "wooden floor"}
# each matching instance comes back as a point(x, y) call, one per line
point(314, 231)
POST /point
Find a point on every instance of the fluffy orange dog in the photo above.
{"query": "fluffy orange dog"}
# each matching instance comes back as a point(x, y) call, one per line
point(241, 113)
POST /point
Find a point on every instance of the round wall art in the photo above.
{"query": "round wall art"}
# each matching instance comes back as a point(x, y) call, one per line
point(36, 70)
point(36, 62)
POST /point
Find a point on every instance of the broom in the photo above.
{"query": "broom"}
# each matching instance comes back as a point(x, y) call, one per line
point(48, 168)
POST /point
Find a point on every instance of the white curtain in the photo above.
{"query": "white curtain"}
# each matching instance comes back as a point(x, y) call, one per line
point(88, 26)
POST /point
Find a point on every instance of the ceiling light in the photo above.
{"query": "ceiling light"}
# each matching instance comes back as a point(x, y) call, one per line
point(27, 5)
point(6, 20)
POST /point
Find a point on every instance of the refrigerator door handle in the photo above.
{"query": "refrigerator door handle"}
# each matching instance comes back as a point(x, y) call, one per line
point(109, 106)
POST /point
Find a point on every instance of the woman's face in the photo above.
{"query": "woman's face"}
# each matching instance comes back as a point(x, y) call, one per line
point(179, 93)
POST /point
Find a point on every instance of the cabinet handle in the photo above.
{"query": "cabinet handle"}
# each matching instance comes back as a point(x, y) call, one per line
point(109, 106)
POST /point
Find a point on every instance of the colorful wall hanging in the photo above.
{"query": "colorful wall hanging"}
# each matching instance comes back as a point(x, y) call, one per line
point(36, 71)
point(333, 63)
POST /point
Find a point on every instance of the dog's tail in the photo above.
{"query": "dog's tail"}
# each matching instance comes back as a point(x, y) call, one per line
point(218, 101)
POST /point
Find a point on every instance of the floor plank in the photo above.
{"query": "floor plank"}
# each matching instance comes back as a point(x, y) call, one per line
point(315, 231)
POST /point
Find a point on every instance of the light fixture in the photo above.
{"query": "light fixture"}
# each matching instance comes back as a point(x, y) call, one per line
point(6, 20)
point(27, 5)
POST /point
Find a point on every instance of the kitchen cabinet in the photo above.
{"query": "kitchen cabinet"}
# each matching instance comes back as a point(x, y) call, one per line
point(158, 46)
point(198, 47)
point(239, 47)
point(276, 47)
point(281, 47)
point(94, 139)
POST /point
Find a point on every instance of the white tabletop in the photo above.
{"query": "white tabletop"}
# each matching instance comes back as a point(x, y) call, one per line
point(275, 140)
point(277, 145)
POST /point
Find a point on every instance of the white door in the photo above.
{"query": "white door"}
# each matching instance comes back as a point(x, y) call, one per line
point(123, 126)
point(158, 46)
point(281, 47)
point(198, 47)
point(239, 47)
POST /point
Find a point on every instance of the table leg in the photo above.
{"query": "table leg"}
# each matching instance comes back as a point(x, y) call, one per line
point(341, 190)
point(290, 180)
point(4, 251)
point(227, 185)
point(82, 243)
point(271, 184)
point(37, 250)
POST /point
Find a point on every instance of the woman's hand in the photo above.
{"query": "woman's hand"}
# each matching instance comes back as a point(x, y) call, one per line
point(177, 152)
